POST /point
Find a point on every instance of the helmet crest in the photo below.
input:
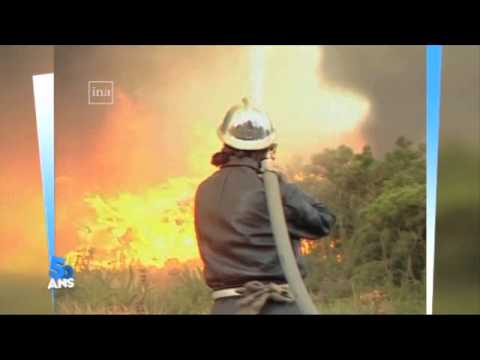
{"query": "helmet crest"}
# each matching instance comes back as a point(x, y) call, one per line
point(246, 128)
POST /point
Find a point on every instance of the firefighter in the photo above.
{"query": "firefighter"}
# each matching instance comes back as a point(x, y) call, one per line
point(232, 224)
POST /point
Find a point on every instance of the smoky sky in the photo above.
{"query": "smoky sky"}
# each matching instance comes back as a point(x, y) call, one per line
point(460, 112)
point(18, 143)
point(393, 78)
point(22, 245)
point(17, 65)
point(169, 81)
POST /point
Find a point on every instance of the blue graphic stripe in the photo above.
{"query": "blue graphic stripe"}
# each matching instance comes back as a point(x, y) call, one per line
point(434, 78)
point(43, 88)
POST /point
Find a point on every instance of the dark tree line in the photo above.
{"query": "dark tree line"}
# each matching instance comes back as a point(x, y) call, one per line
point(380, 236)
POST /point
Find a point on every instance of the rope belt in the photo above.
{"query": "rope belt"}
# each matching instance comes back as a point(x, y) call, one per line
point(253, 295)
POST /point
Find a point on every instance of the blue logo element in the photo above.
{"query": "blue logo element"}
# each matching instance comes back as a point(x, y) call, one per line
point(59, 270)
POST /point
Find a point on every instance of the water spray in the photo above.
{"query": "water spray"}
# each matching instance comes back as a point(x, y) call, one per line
point(274, 200)
point(257, 80)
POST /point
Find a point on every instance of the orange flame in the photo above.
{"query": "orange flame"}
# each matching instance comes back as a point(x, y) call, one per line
point(145, 229)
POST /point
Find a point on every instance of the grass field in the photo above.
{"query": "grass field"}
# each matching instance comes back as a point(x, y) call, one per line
point(23, 294)
point(183, 291)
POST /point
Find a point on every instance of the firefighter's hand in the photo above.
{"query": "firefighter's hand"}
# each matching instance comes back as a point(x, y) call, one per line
point(273, 167)
point(281, 176)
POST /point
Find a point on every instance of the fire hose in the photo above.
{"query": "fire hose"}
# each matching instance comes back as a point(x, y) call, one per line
point(282, 240)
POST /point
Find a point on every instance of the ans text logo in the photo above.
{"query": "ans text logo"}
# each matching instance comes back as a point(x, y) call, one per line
point(61, 275)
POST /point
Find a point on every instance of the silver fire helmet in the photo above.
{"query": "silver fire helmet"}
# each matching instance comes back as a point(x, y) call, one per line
point(246, 128)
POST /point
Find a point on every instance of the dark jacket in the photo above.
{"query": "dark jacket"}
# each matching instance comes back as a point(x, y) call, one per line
point(233, 227)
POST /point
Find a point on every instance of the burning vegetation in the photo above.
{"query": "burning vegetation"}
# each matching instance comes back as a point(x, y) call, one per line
point(146, 229)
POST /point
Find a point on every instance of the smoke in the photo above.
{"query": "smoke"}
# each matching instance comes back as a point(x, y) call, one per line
point(460, 116)
point(22, 230)
point(309, 113)
point(257, 77)
point(176, 87)
point(393, 79)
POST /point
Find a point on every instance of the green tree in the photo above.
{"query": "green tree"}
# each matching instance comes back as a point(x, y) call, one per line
point(380, 208)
